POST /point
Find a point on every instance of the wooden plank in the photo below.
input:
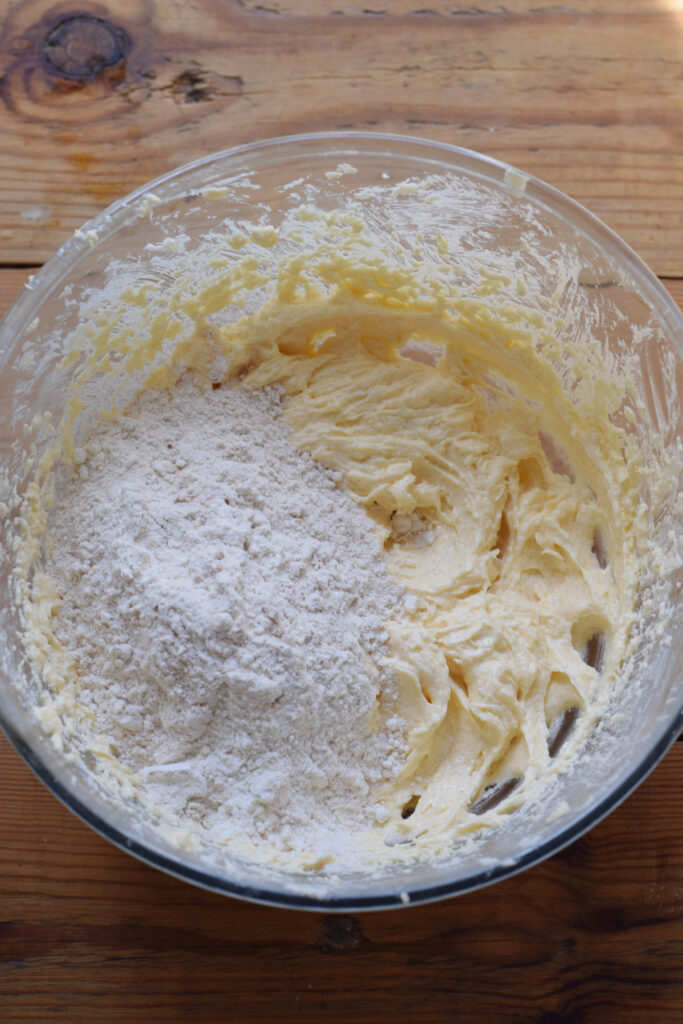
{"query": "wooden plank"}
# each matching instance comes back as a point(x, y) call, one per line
point(586, 96)
point(447, 9)
point(12, 280)
point(90, 935)
point(675, 290)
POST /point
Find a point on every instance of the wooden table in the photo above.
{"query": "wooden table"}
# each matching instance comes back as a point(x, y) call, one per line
point(96, 100)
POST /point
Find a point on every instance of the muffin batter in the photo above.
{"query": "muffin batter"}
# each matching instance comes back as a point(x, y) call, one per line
point(503, 506)
point(490, 517)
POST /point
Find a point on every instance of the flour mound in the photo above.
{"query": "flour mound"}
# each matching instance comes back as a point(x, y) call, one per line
point(224, 601)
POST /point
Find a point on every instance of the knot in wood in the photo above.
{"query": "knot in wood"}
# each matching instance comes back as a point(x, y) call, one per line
point(340, 933)
point(81, 46)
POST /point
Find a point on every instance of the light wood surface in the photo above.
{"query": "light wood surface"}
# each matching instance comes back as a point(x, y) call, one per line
point(586, 95)
point(589, 96)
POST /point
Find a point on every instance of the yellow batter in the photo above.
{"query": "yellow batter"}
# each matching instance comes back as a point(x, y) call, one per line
point(493, 523)
point(506, 509)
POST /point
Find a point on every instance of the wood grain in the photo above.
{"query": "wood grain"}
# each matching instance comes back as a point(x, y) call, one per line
point(594, 935)
point(588, 96)
point(97, 98)
point(12, 280)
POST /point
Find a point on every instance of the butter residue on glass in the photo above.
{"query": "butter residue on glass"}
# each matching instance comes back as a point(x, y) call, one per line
point(495, 459)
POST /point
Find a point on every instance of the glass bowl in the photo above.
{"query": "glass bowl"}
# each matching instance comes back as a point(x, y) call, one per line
point(484, 207)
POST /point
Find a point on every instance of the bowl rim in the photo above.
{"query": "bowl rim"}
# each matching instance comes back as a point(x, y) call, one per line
point(480, 165)
point(393, 900)
point(493, 171)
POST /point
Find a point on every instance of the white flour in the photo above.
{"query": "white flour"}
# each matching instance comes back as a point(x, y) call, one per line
point(225, 601)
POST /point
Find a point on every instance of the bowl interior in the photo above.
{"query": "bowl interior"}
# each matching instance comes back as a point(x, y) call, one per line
point(492, 218)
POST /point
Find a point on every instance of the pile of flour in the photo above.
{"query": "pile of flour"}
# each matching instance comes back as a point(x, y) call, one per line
point(224, 601)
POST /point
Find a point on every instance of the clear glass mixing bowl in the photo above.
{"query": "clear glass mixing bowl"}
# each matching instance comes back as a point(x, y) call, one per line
point(490, 207)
